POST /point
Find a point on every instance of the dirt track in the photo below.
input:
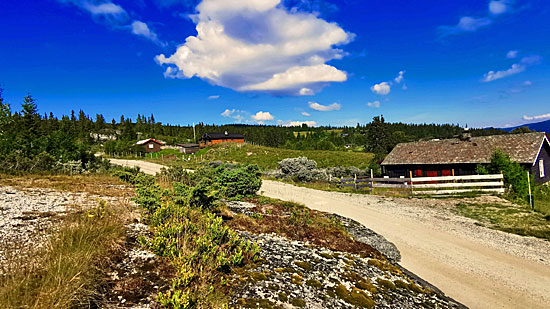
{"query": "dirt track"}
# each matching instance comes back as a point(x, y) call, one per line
point(479, 267)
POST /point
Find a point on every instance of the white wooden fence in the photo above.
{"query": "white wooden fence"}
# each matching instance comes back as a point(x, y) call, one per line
point(432, 185)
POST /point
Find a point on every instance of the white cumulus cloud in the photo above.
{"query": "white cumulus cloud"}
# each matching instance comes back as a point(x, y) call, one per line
point(374, 104)
point(236, 114)
point(466, 24)
point(258, 45)
point(141, 29)
point(497, 7)
point(306, 114)
point(324, 108)
point(290, 123)
point(382, 88)
point(537, 117)
point(512, 54)
point(400, 77)
point(106, 8)
point(514, 69)
point(261, 116)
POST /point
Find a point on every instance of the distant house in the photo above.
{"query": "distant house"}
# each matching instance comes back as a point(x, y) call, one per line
point(188, 148)
point(150, 145)
point(462, 155)
point(209, 139)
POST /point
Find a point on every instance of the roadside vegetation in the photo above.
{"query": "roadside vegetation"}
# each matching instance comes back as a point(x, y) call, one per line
point(187, 231)
point(509, 218)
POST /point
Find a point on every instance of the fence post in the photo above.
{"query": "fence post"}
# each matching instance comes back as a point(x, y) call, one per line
point(371, 181)
point(411, 177)
point(355, 181)
point(530, 195)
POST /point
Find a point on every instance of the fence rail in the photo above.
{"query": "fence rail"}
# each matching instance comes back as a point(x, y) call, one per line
point(431, 185)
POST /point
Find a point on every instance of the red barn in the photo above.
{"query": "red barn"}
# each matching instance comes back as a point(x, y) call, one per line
point(209, 139)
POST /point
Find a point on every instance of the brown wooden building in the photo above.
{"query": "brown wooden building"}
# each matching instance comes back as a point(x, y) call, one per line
point(188, 148)
point(209, 139)
point(462, 155)
point(150, 145)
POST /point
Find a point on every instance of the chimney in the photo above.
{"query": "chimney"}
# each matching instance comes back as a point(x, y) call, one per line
point(466, 135)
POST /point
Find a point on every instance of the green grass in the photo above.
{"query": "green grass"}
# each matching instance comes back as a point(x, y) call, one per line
point(508, 218)
point(264, 157)
point(67, 271)
point(268, 158)
point(543, 206)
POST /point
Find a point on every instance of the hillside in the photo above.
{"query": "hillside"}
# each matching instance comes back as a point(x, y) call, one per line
point(542, 126)
point(269, 157)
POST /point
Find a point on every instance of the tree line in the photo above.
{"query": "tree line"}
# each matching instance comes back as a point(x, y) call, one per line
point(27, 135)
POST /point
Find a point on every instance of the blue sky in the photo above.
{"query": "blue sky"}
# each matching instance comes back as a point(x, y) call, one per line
point(481, 63)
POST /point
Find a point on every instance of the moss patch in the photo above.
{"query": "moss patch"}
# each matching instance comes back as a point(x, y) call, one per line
point(304, 265)
point(314, 283)
point(355, 297)
point(298, 302)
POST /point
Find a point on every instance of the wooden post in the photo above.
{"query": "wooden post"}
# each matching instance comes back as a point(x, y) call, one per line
point(411, 177)
point(355, 181)
point(530, 195)
point(371, 181)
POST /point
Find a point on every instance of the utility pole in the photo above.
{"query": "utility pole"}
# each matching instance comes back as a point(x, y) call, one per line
point(194, 134)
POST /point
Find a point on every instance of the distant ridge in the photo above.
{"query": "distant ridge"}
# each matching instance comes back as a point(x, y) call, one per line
point(543, 126)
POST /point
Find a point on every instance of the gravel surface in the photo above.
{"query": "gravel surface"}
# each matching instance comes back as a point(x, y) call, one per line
point(477, 266)
point(27, 216)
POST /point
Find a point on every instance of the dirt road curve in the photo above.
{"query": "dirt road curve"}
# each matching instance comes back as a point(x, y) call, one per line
point(479, 267)
point(146, 167)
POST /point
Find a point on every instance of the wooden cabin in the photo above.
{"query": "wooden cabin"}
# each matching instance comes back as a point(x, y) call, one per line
point(188, 148)
point(461, 156)
point(209, 139)
point(150, 145)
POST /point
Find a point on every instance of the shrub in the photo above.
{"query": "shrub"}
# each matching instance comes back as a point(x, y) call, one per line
point(294, 166)
point(242, 181)
point(514, 174)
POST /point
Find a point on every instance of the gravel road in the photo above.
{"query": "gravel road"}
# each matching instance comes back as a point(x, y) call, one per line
point(477, 266)
point(480, 267)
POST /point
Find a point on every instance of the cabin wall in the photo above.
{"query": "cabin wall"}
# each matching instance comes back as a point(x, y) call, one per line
point(544, 156)
point(151, 147)
point(429, 170)
point(206, 143)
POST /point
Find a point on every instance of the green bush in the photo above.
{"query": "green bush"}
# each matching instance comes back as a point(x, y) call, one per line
point(514, 175)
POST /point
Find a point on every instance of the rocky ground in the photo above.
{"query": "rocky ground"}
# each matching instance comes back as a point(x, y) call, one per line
point(28, 216)
point(294, 274)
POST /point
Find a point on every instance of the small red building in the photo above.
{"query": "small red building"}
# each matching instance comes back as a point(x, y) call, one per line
point(209, 139)
point(150, 145)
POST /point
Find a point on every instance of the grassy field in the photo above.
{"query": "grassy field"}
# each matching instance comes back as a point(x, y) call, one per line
point(508, 218)
point(264, 157)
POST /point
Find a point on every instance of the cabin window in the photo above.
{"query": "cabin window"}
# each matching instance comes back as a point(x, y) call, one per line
point(541, 168)
point(151, 146)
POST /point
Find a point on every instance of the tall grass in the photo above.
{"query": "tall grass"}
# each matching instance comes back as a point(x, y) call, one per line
point(69, 270)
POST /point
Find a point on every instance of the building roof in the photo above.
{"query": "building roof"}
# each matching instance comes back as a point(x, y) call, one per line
point(522, 148)
point(188, 145)
point(145, 141)
point(222, 136)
